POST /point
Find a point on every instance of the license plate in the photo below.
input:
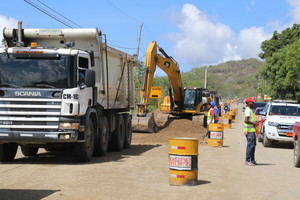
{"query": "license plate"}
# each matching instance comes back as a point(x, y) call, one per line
point(290, 134)
point(179, 162)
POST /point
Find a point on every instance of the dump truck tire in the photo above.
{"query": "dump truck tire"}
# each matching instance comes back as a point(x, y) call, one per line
point(128, 133)
point(102, 139)
point(118, 136)
point(29, 151)
point(8, 152)
point(84, 151)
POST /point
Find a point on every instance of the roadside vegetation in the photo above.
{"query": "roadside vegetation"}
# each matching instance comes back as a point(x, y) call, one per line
point(280, 74)
point(230, 79)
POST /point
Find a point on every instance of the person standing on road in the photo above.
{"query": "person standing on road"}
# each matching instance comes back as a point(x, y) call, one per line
point(216, 112)
point(210, 117)
point(250, 131)
point(226, 107)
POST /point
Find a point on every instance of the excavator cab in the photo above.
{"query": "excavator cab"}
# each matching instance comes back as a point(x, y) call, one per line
point(195, 100)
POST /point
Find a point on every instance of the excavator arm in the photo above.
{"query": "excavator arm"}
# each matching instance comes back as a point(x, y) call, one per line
point(143, 121)
point(169, 66)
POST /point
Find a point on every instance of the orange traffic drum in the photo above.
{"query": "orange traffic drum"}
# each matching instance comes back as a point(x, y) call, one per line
point(183, 161)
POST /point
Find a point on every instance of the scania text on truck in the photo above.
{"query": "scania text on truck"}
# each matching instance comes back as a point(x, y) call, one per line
point(63, 89)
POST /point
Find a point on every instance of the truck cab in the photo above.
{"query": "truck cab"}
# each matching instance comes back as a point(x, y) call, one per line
point(58, 92)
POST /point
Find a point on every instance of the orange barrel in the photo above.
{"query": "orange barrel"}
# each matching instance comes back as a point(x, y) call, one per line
point(183, 161)
point(227, 125)
point(215, 138)
point(228, 117)
point(232, 113)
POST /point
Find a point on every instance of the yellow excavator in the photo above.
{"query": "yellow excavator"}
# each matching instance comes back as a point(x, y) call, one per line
point(182, 102)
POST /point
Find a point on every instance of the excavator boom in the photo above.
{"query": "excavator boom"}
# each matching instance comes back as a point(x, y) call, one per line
point(143, 120)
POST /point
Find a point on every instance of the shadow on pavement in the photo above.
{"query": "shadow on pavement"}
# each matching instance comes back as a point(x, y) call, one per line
point(67, 158)
point(11, 194)
point(264, 164)
point(202, 182)
point(198, 182)
point(283, 146)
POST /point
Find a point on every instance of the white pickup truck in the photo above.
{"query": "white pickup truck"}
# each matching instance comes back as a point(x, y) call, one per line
point(280, 118)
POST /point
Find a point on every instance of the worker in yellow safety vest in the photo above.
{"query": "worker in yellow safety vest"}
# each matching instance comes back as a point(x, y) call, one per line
point(210, 113)
point(249, 130)
point(210, 117)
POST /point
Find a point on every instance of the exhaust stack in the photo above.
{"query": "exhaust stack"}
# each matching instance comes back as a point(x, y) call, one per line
point(20, 42)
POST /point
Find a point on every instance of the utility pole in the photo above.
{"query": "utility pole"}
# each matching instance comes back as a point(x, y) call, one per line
point(139, 42)
point(138, 75)
point(205, 77)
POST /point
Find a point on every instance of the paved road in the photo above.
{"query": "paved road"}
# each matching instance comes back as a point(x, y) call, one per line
point(142, 173)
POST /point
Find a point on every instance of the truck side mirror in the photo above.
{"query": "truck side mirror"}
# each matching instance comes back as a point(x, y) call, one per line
point(90, 78)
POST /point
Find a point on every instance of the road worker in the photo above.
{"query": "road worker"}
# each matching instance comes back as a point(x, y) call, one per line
point(216, 112)
point(250, 131)
point(210, 116)
point(226, 107)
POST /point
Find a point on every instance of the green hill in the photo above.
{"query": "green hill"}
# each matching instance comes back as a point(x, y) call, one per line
point(230, 79)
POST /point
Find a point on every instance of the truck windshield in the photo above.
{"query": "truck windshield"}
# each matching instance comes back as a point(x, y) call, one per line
point(285, 110)
point(40, 72)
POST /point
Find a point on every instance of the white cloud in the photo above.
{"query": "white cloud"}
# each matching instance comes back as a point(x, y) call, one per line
point(201, 41)
point(249, 41)
point(295, 12)
point(8, 23)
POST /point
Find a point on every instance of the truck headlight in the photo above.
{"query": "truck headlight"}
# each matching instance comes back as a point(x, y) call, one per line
point(273, 124)
point(68, 125)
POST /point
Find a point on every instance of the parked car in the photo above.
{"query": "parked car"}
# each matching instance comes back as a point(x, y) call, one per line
point(279, 121)
point(259, 105)
point(257, 111)
point(296, 136)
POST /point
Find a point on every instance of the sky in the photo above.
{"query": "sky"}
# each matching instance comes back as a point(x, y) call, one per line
point(195, 33)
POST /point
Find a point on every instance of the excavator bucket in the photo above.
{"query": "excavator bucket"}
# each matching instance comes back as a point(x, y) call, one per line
point(145, 124)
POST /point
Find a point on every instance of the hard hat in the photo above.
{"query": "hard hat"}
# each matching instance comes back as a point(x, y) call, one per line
point(212, 103)
point(250, 99)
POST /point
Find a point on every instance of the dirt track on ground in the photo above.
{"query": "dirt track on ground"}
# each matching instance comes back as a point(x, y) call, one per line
point(141, 172)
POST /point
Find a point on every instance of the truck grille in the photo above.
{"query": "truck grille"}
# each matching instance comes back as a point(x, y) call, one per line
point(284, 130)
point(29, 113)
point(285, 126)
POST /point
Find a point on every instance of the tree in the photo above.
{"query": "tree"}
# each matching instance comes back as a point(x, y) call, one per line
point(281, 71)
point(279, 41)
point(139, 74)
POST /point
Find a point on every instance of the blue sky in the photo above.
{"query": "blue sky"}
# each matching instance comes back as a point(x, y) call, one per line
point(195, 33)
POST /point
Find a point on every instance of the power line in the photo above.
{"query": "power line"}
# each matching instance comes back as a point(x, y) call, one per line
point(47, 13)
point(74, 23)
point(121, 47)
point(64, 22)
